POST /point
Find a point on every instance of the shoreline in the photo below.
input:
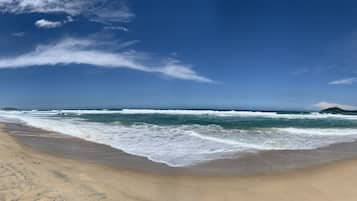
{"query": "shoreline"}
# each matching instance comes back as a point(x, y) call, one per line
point(248, 164)
point(31, 174)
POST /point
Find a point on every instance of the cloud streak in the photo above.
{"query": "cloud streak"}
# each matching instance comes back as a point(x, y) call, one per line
point(344, 81)
point(97, 10)
point(47, 24)
point(323, 105)
point(80, 51)
point(18, 34)
point(117, 28)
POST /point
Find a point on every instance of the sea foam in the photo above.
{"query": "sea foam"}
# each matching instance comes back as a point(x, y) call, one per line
point(186, 144)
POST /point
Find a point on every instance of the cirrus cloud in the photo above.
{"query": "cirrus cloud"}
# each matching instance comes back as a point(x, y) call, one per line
point(18, 34)
point(344, 81)
point(118, 28)
point(47, 24)
point(96, 10)
point(85, 51)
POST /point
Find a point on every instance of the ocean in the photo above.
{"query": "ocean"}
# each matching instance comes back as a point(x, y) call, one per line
point(188, 137)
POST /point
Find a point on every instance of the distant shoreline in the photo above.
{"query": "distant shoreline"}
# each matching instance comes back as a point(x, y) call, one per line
point(163, 108)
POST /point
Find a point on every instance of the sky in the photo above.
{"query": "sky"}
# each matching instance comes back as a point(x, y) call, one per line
point(264, 55)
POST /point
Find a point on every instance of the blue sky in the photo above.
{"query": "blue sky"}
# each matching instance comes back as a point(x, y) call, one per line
point(197, 54)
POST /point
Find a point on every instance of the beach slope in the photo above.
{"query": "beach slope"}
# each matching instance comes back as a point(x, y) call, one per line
point(28, 174)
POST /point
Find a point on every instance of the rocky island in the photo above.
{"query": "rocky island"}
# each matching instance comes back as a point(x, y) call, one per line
point(337, 110)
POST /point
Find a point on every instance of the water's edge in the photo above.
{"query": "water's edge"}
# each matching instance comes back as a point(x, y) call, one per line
point(182, 138)
point(265, 162)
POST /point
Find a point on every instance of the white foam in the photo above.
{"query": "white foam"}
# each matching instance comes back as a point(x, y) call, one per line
point(319, 131)
point(171, 145)
point(232, 113)
point(214, 113)
point(182, 145)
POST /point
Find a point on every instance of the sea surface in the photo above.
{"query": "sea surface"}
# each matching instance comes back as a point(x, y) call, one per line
point(188, 137)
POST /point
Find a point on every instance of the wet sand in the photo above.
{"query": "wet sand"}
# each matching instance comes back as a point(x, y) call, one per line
point(40, 165)
point(249, 164)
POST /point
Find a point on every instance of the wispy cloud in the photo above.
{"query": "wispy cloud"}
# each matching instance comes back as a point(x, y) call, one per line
point(96, 10)
point(300, 71)
point(80, 51)
point(47, 24)
point(126, 44)
point(344, 81)
point(69, 19)
point(118, 28)
point(18, 34)
point(324, 105)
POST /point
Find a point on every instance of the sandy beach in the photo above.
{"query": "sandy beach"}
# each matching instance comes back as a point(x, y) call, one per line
point(132, 100)
point(29, 174)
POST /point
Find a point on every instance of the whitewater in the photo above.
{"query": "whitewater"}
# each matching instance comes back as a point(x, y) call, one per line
point(188, 137)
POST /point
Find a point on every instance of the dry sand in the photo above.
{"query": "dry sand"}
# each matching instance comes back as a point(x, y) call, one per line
point(28, 174)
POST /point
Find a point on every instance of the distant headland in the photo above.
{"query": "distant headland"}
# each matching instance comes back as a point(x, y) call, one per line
point(337, 110)
point(9, 109)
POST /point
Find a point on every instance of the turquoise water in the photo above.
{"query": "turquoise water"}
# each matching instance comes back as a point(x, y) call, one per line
point(188, 137)
point(235, 122)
